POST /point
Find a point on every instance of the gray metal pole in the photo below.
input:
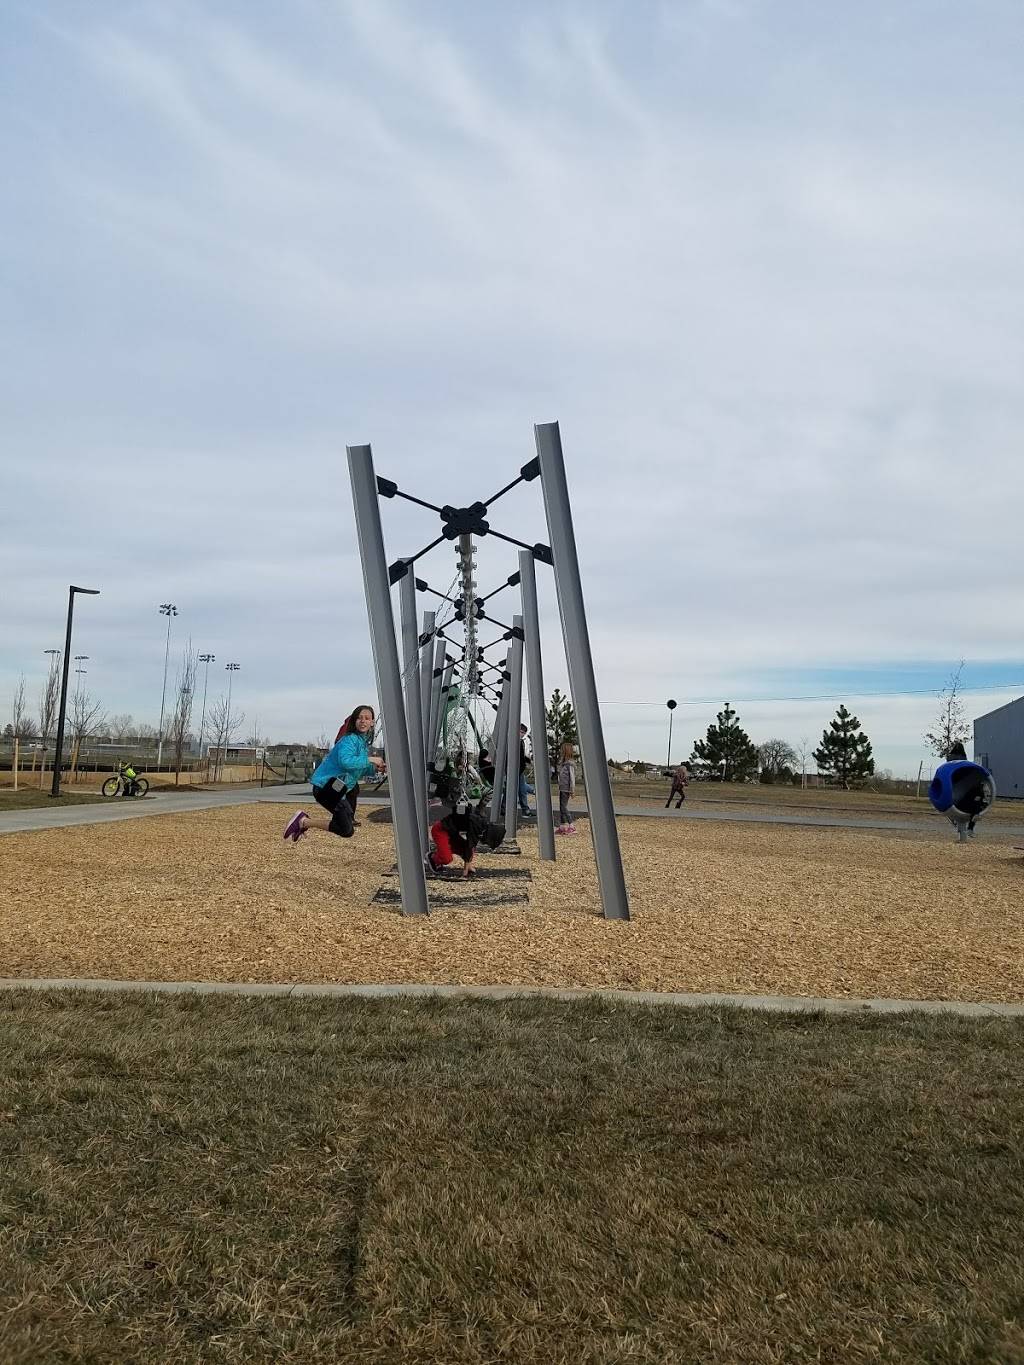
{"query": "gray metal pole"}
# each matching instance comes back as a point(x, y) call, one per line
point(435, 699)
point(582, 682)
point(538, 716)
point(499, 744)
point(413, 710)
point(442, 703)
point(515, 714)
point(426, 659)
point(406, 809)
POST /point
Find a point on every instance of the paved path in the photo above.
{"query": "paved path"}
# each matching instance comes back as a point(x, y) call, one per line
point(160, 803)
point(157, 803)
point(775, 1003)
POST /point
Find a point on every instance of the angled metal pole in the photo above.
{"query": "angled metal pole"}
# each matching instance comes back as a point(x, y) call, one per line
point(538, 715)
point(435, 699)
point(582, 682)
point(515, 712)
point(413, 709)
point(426, 659)
point(407, 811)
point(499, 743)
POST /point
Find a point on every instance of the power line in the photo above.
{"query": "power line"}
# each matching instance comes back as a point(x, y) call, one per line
point(829, 696)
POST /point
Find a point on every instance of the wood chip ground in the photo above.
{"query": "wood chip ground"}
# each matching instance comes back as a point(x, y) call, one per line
point(768, 909)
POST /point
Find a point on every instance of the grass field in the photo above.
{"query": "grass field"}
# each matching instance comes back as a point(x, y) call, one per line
point(720, 907)
point(196, 1179)
point(31, 798)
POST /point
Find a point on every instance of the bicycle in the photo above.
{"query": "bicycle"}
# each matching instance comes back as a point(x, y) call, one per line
point(125, 783)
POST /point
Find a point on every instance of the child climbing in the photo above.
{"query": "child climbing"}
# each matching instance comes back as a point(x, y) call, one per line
point(461, 833)
point(336, 780)
point(566, 789)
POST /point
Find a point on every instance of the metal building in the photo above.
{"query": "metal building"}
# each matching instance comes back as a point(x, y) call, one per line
point(999, 746)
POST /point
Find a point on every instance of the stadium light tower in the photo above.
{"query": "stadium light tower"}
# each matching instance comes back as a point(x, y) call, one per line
point(167, 609)
point(206, 659)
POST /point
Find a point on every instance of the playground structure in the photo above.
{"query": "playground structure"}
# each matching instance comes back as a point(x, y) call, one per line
point(963, 791)
point(432, 701)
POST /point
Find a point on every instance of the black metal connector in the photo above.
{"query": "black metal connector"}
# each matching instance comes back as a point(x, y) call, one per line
point(465, 521)
point(386, 488)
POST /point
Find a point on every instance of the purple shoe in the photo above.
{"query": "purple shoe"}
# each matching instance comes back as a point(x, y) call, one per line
point(293, 830)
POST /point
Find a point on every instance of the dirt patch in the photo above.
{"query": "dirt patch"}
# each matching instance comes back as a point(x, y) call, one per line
point(219, 896)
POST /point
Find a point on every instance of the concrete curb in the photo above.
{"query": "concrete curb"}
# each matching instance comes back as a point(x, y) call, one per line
point(774, 1003)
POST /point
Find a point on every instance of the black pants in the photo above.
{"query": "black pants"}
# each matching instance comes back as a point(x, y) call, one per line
point(352, 796)
point(676, 791)
point(337, 803)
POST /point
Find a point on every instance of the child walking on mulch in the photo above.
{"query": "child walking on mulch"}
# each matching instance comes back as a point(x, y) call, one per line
point(566, 789)
point(680, 780)
point(336, 780)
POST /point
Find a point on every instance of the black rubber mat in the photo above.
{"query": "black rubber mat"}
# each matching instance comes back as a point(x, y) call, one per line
point(474, 897)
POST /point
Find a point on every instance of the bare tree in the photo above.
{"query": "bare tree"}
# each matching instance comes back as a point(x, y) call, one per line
point(49, 703)
point(951, 724)
point(775, 755)
point(18, 707)
point(121, 726)
point(181, 716)
point(146, 731)
point(222, 723)
point(87, 719)
point(804, 750)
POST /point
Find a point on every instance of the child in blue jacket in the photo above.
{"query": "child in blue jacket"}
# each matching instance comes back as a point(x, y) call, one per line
point(336, 780)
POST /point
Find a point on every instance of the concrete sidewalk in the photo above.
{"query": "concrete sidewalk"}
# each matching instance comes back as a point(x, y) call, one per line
point(298, 794)
point(772, 1003)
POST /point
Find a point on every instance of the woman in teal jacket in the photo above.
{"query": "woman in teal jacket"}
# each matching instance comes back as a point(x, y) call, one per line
point(336, 780)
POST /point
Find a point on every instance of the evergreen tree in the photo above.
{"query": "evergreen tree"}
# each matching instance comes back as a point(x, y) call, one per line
point(729, 745)
point(561, 727)
point(844, 753)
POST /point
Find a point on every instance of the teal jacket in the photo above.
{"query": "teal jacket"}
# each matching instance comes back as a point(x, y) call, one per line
point(349, 760)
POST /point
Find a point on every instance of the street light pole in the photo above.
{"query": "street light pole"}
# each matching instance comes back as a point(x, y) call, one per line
point(167, 609)
point(671, 707)
point(206, 659)
point(59, 747)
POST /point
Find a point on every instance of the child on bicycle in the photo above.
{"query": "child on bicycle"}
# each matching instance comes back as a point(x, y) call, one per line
point(336, 780)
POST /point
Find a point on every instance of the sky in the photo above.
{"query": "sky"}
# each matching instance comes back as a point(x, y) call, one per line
point(760, 260)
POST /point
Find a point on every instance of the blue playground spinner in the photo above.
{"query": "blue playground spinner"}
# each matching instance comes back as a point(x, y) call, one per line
point(963, 791)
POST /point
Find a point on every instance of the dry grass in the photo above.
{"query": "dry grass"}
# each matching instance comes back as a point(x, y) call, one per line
point(716, 907)
point(196, 1180)
point(779, 798)
point(31, 798)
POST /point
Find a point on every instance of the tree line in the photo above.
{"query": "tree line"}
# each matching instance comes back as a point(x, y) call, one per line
point(87, 720)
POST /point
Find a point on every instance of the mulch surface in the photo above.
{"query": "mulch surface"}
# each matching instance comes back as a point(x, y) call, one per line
point(218, 896)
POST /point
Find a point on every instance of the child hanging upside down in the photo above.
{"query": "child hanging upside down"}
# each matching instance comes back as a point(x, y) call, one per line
point(336, 780)
point(461, 833)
